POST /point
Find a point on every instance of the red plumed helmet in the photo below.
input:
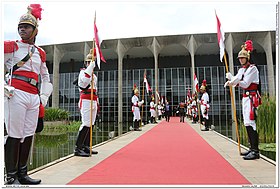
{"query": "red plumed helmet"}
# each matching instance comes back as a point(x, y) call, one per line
point(36, 11)
point(249, 45)
point(32, 16)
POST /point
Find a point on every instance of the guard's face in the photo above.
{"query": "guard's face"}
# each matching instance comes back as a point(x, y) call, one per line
point(25, 31)
point(87, 63)
point(243, 60)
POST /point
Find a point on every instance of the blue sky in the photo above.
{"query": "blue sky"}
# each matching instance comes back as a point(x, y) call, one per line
point(72, 21)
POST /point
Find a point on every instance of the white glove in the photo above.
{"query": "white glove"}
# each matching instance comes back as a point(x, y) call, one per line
point(90, 68)
point(45, 92)
point(228, 83)
point(140, 103)
point(229, 76)
point(44, 99)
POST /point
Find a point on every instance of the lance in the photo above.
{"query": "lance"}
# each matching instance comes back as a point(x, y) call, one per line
point(198, 110)
point(142, 99)
point(91, 91)
point(233, 108)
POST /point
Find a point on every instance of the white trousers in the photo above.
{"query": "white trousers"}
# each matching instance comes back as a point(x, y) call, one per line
point(246, 106)
point(84, 106)
point(21, 114)
point(136, 114)
point(153, 113)
point(203, 108)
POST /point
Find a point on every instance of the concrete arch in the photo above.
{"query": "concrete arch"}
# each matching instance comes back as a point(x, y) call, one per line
point(138, 58)
point(174, 52)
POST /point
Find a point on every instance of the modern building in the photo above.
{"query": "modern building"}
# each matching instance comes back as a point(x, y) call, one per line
point(170, 63)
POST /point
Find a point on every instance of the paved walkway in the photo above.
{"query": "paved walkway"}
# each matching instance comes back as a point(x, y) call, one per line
point(261, 172)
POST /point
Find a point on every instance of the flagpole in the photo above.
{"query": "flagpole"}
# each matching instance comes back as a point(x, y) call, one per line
point(198, 110)
point(142, 99)
point(233, 107)
point(91, 92)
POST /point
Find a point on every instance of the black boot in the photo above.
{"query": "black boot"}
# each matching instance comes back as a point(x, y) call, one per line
point(254, 142)
point(245, 153)
point(250, 137)
point(22, 166)
point(11, 160)
point(80, 141)
point(252, 155)
point(154, 118)
point(86, 146)
point(205, 125)
point(136, 125)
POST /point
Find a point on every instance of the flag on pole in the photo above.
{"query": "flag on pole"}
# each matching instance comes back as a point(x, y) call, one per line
point(221, 38)
point(195, 82)
point(158, 96)
point(189, 95)
point(148, 88)
point(97, 44)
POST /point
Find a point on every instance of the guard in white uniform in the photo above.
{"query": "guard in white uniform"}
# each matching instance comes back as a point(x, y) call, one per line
point(153, 110)
point(25, 62)
point(194, 108)
point(248, 79)
point(84, 82)
point(204, 107)
point(136, 109)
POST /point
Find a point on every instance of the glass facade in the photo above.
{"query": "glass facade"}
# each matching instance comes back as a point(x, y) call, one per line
point(174, 84)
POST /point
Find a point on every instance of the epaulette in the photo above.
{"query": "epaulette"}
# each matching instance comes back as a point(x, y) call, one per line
point(42, 53)
point(10, 46)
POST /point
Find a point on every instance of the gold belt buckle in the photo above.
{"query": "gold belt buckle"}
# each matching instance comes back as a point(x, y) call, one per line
point(33, 82)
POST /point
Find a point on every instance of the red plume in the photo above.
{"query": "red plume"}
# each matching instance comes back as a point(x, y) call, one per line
point(36, 10)
point(249, 45)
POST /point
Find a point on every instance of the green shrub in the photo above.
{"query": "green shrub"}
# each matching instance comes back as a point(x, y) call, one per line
point(56, 114)
point(266, 120)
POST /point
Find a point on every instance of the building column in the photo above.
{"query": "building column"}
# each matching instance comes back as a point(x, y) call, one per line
point(229, 43)
point(120, 52)
point(192, 46)
point(57, 56)
point(266, 44)
point(86, 49)
point(269, 60)
point(155, 50)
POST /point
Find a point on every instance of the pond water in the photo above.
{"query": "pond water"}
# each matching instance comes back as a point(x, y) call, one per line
point(53, 145)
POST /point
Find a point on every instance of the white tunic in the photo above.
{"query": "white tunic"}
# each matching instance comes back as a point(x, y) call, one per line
point(204, 105)
point(21, 110)
point(135, 108)
point(244, 78)
point(85, 99)
point(152, 109)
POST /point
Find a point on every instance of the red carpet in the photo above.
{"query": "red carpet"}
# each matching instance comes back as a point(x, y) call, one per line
point(169, 154)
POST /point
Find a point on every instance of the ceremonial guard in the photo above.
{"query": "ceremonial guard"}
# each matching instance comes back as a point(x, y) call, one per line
point(25, 62)
point(194, 108)
point(153, 110)
point(248, 79)
point(160, 110)
point(136, 109)
point(84, 82)
point(204, 107)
